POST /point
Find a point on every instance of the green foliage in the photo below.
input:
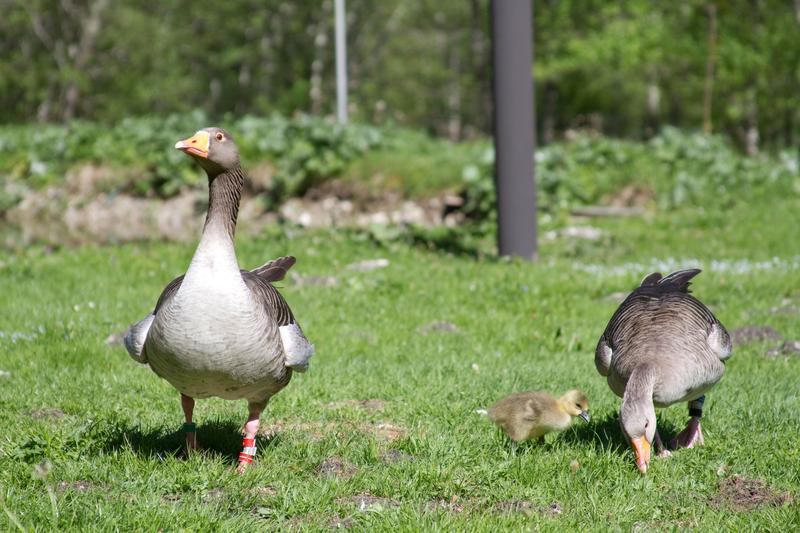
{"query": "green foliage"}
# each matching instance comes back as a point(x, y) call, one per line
point(305, 151)
point(624, 68)
point(675, 168)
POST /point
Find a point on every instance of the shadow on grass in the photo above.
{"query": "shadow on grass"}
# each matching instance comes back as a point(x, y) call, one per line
point(606, 433)
point(215, 438)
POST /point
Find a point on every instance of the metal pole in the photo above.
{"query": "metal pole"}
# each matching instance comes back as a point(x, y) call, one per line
point(512, 58)
point(341, 63)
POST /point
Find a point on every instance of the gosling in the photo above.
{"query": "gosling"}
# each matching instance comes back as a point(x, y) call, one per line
point(531, 415)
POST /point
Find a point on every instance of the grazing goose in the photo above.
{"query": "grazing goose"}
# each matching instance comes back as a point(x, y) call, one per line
point(531, 415)
point(218, 330)
point(662, 346)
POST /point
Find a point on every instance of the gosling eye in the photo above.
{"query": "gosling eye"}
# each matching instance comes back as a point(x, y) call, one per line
point(578, 405)
point(220, 136)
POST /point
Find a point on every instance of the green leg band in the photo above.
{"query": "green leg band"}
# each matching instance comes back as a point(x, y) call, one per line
point(189, 427)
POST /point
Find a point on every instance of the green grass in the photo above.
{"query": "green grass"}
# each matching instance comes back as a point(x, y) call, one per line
point(525, 326)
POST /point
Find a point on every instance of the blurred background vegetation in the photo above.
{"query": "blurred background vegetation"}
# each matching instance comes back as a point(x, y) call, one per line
point(637, 102)
point(622, 68)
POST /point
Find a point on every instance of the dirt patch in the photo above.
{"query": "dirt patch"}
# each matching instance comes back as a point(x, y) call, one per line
point(383, 431)
point(337, 467)
point(341, 523)
point(173, 498)
point(316, 431)
point(212, 495)
point(264, 491)
point(527, 508)
point(748, 334)
point(741, 494)
point(787, 348)
point(47, 412)
point(391, 457)
point(453, 505)
point(441, 326)
point(368, 502)
point(371, 405)
point(77, 486)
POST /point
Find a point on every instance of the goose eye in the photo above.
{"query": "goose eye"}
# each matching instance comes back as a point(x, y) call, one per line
point(646, 423)
point(220, 136)
point(578, 405)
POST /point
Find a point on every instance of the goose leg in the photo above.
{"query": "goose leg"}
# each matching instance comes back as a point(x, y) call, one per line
point(691, 435)
point(250, 431)
point(661, 450)
point(189, 428)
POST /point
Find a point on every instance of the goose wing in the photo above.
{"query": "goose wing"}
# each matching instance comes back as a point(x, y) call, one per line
point(296, 347)
point(136, 334)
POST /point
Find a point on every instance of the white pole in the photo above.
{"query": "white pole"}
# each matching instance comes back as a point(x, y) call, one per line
point(341, 63)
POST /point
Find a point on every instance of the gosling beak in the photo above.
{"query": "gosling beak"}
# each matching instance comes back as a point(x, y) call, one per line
point(641, 448)
point(197, 144)
point(584, 415)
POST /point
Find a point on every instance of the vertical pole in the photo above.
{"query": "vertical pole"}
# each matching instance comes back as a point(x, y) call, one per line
point(341, 62)
point(512, 60)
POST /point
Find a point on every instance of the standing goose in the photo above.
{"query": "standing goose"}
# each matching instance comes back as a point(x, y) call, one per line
point(218, 330)
point(662, 346)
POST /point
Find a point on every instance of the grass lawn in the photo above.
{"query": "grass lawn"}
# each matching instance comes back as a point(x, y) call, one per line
point(417, 457)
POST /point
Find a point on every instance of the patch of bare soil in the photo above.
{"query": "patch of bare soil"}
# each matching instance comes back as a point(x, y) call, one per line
point(368, 502)
point(748, 334)
point(527, 508)
point(78, 486)
point(741, 494)
point(212, 495)
point(338, 467)
point(384, 431)
point(266, 491)
point(787, 348)
point(316, 431)
point(47, 412)
point(341, 523)
point(390, 457)
point(371, 405)
point(453, 505)
point(172, 498)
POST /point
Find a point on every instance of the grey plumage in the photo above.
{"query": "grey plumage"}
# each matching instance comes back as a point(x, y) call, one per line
point(661, 323)
point(661, 346)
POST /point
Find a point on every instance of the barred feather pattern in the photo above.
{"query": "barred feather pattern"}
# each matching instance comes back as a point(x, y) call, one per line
point(661, 323)
point(224, 194)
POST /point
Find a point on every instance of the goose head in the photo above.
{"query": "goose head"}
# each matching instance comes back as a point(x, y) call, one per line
point(575, 403)
point(638, 421)
point(213, 149)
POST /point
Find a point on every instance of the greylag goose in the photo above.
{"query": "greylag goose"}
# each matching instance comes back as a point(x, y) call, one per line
point(662, 346)
point(218, 330)
point(531, 415)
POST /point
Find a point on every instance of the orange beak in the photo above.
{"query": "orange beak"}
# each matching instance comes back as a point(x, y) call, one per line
point(197, 144)
point(641, 448)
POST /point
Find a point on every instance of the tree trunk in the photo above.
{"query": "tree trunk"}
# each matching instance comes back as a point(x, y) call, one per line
point(711, 59)
point(89, 31)
point(549, 113)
